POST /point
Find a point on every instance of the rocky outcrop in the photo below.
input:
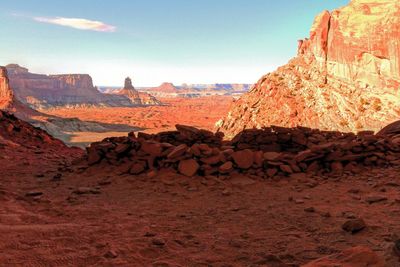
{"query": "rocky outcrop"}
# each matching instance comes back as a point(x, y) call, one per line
point(69, 90)
point(345, 77)
point(136, 97)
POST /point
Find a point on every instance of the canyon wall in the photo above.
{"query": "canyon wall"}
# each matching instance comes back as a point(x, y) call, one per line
point(345, 77)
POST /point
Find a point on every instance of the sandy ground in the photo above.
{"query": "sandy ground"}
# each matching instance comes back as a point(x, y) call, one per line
point(198, 112)
point(94, 217)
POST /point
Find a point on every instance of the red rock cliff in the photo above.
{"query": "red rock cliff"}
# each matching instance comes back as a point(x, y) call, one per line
point(345, 77)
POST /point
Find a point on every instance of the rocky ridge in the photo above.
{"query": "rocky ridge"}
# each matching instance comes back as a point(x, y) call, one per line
point(345, 77)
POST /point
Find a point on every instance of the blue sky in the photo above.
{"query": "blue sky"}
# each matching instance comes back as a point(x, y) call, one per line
point(154, 41)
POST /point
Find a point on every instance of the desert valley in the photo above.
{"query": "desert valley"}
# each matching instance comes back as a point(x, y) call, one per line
point(301, 168)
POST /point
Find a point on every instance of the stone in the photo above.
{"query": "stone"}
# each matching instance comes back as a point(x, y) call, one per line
point(121, 148)
point(137, 168)
point(93, 156)
point(178, 151)
point(244, 159)
point(111, 254)
point(309, 209)
point(258, 158)
point(272, 156)
point(286, 169)
point(158, 242)
point(354, 225)
point(226, 167)
point(86, 190)
point(34, 193)
point(375, 199)
point(188, 167)
point(211, 160)
point(153, 149)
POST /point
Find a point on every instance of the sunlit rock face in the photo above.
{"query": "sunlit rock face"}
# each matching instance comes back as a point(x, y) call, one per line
point(345, 77)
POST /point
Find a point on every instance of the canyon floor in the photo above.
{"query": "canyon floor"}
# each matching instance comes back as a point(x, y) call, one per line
point(53, 215)
point(199, 112)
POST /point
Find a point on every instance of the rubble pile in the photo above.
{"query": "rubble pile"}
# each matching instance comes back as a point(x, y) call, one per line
point(266, 153)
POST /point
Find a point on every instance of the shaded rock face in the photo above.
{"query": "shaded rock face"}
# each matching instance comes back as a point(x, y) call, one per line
point(136, 97)
point(345, 77)
point(69, 90)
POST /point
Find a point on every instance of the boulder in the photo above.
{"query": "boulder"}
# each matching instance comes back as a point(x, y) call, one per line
point(244, 159)
point(188, 167)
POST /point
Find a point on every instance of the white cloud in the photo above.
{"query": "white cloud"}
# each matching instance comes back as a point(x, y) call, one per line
point(78, 23)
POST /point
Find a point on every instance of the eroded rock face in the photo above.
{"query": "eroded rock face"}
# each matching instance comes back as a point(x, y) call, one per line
point(68, 90)
point(345, 77)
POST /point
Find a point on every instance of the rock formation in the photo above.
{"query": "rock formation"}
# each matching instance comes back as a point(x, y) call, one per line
point(8, 101)
point(136, 97)
point(69, 90)
point(345, 77)
point(6, 94)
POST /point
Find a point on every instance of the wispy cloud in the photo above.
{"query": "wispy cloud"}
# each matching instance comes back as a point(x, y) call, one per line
point(78, 23)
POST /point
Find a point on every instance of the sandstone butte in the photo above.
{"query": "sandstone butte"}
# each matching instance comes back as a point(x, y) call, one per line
point(136, 97)
point(67, 90)
point(346, 75)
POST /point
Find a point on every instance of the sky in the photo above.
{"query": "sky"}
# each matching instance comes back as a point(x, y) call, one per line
point(155, 41)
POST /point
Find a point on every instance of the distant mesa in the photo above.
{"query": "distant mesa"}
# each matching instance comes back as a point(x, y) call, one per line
point(169, 90)
point(67, 90)
point(345, 77)
point(166, 88)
